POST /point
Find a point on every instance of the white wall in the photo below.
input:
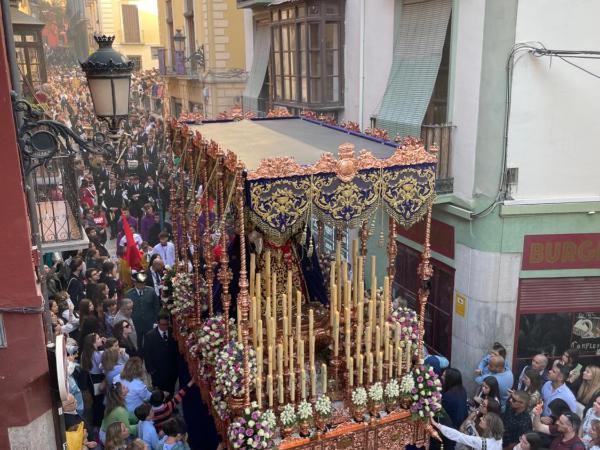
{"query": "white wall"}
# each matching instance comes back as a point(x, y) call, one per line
point(378, 52)
point(467, 33)
point(554, 131)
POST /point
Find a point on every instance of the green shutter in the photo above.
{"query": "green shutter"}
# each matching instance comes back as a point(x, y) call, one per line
point(418, 43)
point(256, 78)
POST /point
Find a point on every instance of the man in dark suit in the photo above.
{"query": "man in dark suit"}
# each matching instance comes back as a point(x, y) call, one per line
point(113, 200)
point(136, 196)
point(155, 274)
point(146, 169)
point(160, 355)
point(146, 306)
point(152, 148)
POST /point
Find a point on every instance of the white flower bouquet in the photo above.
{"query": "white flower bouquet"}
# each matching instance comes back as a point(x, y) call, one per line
point(323, 406)
point(229, 369)
point(359, 397)
point(288, 416)
point(305, 411)
point(392, 390)
point(376, 392)
point(211, 337)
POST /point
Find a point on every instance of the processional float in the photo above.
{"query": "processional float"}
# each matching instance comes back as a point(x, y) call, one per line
point(314, 361)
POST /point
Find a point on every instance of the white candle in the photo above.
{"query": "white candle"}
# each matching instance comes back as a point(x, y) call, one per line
point(324, 377)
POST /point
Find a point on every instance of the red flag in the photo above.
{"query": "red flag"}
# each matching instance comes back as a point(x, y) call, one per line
point(132, 254)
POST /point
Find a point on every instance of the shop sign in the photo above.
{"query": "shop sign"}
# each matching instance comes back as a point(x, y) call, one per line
point(586, 333)
point(561, 251)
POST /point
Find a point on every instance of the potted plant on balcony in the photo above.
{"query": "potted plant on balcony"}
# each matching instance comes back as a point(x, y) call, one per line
point(288, 420)
point(359, 403)
point(323, 411)
point(305, 417)
point(376, 399)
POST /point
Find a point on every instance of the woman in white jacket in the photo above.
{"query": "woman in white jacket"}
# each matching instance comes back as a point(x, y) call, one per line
point(491, 438)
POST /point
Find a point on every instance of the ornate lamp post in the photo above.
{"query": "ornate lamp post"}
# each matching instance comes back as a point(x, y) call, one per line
point(108, 73)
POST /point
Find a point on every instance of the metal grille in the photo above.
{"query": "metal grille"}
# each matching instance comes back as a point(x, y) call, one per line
point(57, 203)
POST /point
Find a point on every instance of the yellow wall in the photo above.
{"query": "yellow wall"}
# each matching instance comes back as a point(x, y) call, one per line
point(112, 23)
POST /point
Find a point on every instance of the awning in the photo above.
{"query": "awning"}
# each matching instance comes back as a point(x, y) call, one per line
point(256, 79)
point(418, 44)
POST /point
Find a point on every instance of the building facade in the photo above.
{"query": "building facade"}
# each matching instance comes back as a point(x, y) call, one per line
point(203, 54)
point(134, 23)
point(515, 229)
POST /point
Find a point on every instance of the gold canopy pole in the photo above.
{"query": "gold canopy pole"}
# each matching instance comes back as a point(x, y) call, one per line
point(425, 271)
point(208, 251)
point(224, 275)
point(243, 298)
point(392, 252)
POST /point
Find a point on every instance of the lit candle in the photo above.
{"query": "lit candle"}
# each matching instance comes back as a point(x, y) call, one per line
point(351, 371)
point(291, 347)
point(292, 387)
point(333, 306)
point(324, 377)
point(298, 314)
point(258, 294)
point(391, 364)
point(252, 273)
point(281, 390)
point(259, 330)
point(279, 359)
point(360, 370)
point(386, 341)
point(270, 361)
point(336, 336)
point(268, 273)
point(370, 368)
point(311, 336)
point(313, 382)
point(270, 390)
point(259, 361)
point(303, 381)
point(301, 354)
point(399, 361)
point(259, 392)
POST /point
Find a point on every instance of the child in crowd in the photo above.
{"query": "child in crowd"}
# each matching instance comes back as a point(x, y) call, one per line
point(162, 410)
point(175, 435)
point(483, 367)
point(146, 430)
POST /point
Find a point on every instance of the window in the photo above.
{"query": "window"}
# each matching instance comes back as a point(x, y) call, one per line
point(154, 52)
point(137, 61)
point(307, 54)
point(131, 24)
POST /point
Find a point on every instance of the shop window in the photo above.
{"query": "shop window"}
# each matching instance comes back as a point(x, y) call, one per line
point(307, 55)
point(553, 333)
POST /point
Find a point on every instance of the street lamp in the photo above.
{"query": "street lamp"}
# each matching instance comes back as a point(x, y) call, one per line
point(179, 39)
point(108, 74)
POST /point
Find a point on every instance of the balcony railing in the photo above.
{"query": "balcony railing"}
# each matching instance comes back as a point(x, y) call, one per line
point(441, 135)
point(57, 203)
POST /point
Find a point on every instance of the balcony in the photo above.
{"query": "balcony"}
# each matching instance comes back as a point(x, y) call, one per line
point(252, 3)
point(57, 206)
point(441, 135)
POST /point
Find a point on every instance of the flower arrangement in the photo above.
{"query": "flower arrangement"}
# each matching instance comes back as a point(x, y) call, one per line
point(220, 405)
point(270, 420)
point(305, 411)
point(229, 369)
point(426, 393)
point(251, 430)
point(392, 390)
point(407, 318)
point(407, 384)
point(323, 406)
point(183, 296)
point(288, 416)
point(376, 392)
point(212, 337)
point(359, 397)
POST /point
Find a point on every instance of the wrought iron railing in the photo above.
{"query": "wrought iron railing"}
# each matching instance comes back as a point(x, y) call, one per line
point(441, 135)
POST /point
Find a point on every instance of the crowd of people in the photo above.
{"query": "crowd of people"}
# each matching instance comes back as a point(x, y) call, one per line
point(122, 355)
point(549, 405)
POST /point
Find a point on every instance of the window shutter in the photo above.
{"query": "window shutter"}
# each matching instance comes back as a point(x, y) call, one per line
point(538, 295)
point(131, 24)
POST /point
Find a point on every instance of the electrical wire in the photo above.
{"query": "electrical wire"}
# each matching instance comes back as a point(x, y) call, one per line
point(537, 49)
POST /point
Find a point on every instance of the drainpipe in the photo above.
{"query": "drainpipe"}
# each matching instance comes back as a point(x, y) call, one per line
point(361, 67)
